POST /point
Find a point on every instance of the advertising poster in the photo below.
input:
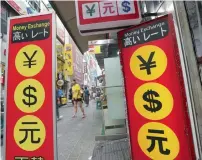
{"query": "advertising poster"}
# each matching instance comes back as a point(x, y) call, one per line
point(68, 59)
point(94, 49)
point(158, 119)
point(59, 50)
point(30, 106)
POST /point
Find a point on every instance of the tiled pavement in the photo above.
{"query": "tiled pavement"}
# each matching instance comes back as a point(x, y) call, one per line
point(76, 136)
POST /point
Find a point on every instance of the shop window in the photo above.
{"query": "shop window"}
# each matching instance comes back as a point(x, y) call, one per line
point(35, 5)
point(4, 17)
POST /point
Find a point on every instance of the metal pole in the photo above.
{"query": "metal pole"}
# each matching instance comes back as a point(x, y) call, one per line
point(190, 73)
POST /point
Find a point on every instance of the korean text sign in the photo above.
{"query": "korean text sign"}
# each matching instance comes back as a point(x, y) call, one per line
point(94, 17)
point(157, 113)
point(30, 111)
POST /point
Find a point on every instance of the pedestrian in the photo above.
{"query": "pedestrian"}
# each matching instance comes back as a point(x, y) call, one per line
point(94, 95)
point(86, 96)
point(70, 94)
point(77, 98)
point(60, 94)
point(58, 102)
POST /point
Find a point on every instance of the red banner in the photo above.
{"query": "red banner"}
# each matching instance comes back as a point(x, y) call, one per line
point(30, 107)
point(157, 107)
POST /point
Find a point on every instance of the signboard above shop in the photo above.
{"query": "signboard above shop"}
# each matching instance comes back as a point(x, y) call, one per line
point(98, 17)
point(25, 7)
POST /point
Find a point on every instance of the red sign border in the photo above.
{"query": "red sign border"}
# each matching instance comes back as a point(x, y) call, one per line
point(53, 78)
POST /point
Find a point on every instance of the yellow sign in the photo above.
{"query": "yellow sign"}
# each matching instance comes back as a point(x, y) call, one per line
point(59, 50)
point(29, 133)
point(148, 62)
point(153, 101)
point(68, 60)
point(94, 49)
point(30, 60)
point(29, 96)
point(158, 141)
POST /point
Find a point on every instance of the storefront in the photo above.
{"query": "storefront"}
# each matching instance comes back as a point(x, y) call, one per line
point(61, 79)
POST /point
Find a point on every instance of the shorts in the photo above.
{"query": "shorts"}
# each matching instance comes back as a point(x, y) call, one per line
point(77, 100)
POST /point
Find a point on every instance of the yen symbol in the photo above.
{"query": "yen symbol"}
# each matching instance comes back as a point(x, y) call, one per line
point(147, 65)
point(90, 10)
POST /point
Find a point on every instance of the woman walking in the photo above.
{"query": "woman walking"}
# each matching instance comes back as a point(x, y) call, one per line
point(77, 98)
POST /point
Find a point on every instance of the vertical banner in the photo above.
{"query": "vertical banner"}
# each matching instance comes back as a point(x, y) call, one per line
point(59, 51)
point(159, 125)
point(68, 59)
point(77, 58)
point(85, 67)
point(30, 99)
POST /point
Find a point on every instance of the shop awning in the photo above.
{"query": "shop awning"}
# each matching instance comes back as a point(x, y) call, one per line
point(66, 12)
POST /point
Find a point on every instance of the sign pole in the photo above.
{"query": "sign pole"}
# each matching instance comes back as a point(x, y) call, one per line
point(54, 70)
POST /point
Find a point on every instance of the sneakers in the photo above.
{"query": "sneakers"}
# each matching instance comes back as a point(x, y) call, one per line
point(74, 116)
point(84, 116)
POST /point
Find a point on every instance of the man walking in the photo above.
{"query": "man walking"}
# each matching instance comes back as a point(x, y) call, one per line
point(76, 98)
point(58, 102)
point(86, 96)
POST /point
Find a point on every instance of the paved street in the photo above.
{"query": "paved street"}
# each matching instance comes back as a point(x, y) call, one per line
point(76, 136)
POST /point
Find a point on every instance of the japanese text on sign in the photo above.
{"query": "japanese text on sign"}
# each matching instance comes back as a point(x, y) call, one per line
point(37, 30)
point(145, 33)
point(107, 8)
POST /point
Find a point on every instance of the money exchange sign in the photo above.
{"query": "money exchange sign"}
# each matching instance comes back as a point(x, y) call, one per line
point(30, 122)
point(157, 112)
point(95, 17)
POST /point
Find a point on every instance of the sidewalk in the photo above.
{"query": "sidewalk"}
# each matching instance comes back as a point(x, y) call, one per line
point(76, 136)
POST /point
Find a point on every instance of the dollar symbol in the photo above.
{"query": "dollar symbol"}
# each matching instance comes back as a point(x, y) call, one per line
point(27, 93)
point(126, 6)
point(154, 105)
